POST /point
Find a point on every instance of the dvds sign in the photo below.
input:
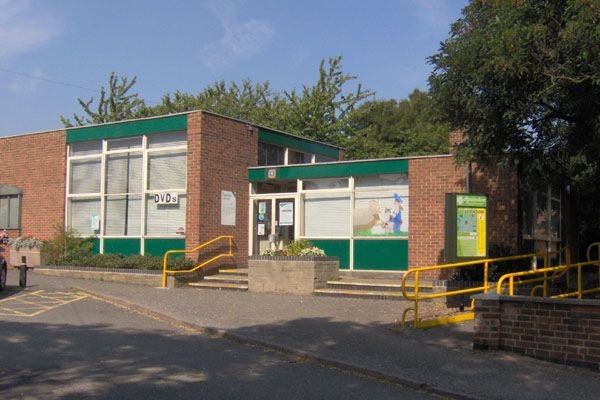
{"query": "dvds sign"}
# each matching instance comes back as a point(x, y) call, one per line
point(166, 198)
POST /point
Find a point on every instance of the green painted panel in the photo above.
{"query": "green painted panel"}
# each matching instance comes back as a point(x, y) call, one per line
point(294, 142)
point(122, 246)
point(158, 247)
point(387, 255)
point(335, 248)
point(333, 169)
point(96, 246)
point(128, 128)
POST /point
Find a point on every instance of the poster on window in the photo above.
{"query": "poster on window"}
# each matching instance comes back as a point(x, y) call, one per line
point(286, 213)
point(381, 213)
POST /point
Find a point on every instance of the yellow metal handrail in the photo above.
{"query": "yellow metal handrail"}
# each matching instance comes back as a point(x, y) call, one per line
point(551, 274)
point(416, 296)
point(175, 272)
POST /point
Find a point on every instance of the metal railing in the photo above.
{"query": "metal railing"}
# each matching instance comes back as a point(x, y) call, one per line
point(416, 296)
point(198, 248)
point(549, 275)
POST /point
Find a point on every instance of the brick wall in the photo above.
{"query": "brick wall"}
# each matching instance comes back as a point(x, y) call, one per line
point(430, 178)
point(219, 153)
point(36, 164)
point(564, 331)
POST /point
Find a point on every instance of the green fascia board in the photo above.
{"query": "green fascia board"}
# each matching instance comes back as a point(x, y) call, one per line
point(297, 143)
point(330, 170)
point(127, 128)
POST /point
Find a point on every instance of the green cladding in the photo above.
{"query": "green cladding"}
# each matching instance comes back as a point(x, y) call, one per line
point(122, 246)
point(386, 255)
point(330, 170)
point(335, 248)
point(127, 128)
point(294, 142)
point(158, 247)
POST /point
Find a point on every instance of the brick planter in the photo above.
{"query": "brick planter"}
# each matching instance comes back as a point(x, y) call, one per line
point(33, 256)
point(296, 275)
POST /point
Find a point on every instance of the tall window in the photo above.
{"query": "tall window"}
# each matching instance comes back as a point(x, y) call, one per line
point(116, 186)
point(10, 202)
point(542, 214)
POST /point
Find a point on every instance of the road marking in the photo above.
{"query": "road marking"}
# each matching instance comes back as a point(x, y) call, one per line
point(36, 303)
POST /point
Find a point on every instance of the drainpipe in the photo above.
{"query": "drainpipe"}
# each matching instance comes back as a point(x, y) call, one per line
point(469, 180)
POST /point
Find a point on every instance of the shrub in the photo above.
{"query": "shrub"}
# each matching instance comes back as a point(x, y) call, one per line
point(297, 248)
point(66, 246)
point(130, 262)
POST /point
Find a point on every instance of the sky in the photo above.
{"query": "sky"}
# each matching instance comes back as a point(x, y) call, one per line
point(53, 52)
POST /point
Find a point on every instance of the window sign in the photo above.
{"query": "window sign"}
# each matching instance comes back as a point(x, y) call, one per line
point(381, 213)
point(286, 213)
point(95, 222)
point(262, 207)
point(227, 208)
point(166, 198)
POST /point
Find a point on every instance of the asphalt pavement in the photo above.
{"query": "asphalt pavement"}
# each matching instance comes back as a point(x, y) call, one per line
point(359, 336)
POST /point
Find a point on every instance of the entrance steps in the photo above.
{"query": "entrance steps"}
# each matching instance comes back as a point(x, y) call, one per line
point(226, 279)
point(377, 286)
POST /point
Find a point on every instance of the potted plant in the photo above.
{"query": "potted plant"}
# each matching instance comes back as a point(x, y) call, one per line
point(26, 246)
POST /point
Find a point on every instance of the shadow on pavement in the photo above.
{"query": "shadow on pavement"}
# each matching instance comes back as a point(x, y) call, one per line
point(64, 361)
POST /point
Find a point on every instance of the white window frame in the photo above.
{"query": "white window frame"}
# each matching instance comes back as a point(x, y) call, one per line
point(145, 151)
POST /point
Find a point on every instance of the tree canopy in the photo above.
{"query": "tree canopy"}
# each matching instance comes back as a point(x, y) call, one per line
point(115, 105)
point(326, 111)
point(522, 79)
point(392, 128)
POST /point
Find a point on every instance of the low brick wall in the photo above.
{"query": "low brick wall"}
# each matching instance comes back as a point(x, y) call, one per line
point(297, 275)
point(135, 277)
point(564, 331)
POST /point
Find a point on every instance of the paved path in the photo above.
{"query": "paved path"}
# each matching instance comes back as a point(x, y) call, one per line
point(58, 345)
point(358, 335)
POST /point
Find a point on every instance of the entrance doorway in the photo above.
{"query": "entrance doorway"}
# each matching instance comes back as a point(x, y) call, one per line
point(274, 221)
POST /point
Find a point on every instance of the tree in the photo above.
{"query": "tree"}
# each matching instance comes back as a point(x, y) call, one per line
point(322, 111)
point(247, 101)
point(116, 105)
point(391, 128)
point(522, 78)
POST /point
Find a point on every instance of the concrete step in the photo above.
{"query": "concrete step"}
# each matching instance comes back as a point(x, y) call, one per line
point(226, 279)
point(359, 294)
point(375, 286)
point(233, 272)
point(219, 285)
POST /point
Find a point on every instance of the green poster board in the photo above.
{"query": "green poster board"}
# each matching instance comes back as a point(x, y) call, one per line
point(466, 227)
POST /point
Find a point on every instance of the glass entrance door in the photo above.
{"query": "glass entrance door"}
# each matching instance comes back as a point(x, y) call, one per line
point(273, 224)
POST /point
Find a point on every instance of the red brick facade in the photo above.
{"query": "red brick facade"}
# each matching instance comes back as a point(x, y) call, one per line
point(35, 163)
point(430, 178)
point(220, 150)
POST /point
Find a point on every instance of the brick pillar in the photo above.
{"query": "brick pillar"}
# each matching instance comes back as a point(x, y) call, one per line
point(192, 229)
